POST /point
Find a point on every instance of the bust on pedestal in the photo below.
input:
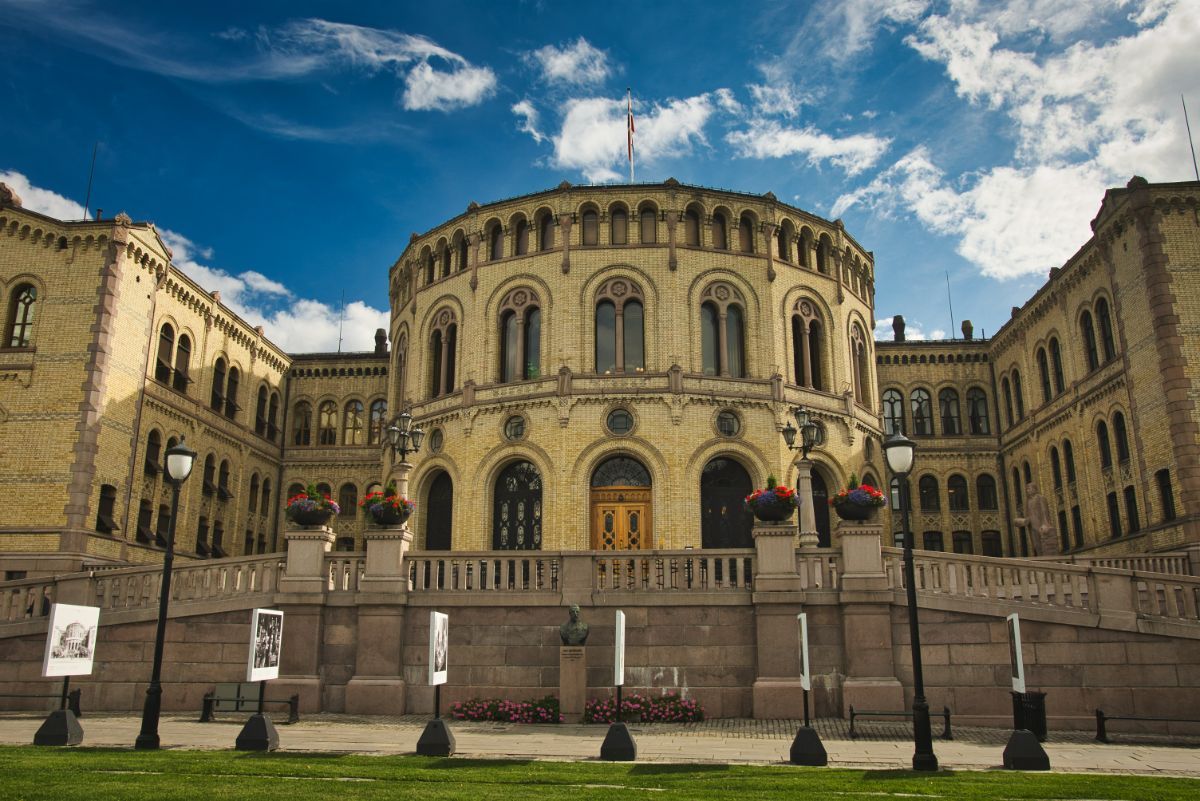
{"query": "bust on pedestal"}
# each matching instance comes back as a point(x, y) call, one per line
point(572, 667)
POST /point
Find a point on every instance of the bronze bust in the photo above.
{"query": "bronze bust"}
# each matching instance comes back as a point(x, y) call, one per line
point(574, 631)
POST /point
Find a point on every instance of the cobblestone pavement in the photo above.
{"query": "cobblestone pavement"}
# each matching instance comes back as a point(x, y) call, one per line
point(881, 745)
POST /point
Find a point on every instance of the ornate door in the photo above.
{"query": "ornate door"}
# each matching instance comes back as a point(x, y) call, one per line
point(621, 519)
point(517, 522)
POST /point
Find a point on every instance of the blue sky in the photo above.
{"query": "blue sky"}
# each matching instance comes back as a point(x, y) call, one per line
point(288, 149)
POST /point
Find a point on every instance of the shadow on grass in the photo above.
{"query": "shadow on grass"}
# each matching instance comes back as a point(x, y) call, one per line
point(666, 770)
point(893, 775)
point(449, 763)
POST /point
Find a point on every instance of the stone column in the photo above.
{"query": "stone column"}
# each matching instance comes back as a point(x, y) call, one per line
point(301, 596)
point(306, 549)
point(777, 600)
point(808, 515)
point(866, 600)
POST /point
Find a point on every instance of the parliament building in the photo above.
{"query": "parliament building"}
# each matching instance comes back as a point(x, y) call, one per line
point(596, 368)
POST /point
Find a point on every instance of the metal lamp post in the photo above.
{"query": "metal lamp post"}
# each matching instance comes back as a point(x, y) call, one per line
point(404, 439)
point(811, 435)
point(179, 464)
point(898, 450)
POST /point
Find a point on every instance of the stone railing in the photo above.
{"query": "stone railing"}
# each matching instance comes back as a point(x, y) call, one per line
point(484, 571)
point(345, 570)
point(1167, 596)
point(673, 571)
point(819, 569)
point(138, 587)
point(1178, 563)
point(26, 599)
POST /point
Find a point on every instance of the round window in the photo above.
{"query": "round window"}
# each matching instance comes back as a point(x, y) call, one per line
point(619, 422)
point(514, 427)
point(435, 441)
point(728, 424)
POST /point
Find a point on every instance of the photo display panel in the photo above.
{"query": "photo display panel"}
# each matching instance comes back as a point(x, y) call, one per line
point(71, 640)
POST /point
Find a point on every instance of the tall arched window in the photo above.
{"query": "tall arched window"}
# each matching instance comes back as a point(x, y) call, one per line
point(648, 225)
point(1018, 394)
point(260, 411)
point(1055, 467)
point(217, 403)
point(378, 420)
point(166, 349)
point(1104, 320)
point(1056, 366)
point(1119, 434)
point(1006, 388)
point(252, 496)
point(893, 412)
point(1044, 374)
point(223, 491)
point(327, 423)
point(273, 417)
point(517, 509)
point(725, 307)
point(985, 492)
point(746, 234)
point(427, 261)
point(302, 424)
point(922, 413)
point(495, 240)
point(352, 422)
point(231, 393)
point(464, 253)
point(348, 500)
point(590, 235)
point(807, 346)
point(442, 346)
point(183, 356)
point(105, 520)
point(208, 484)
point(265, 506)
point(620, 329)
point(546, 225)
point(520, 336)
point(1089, 340)
point(724, 484)
point(20, 316)
point(1069, 460)
point(691, 227)
point(153, 463)
point(439, 515)
point(977, 411)
point(948, 406)
point(927, 490)
point(1103, 445)
point(520, 237)
point(444, 259)
point(783, 243)
point(720, 231)
point(858, 354)
point(804, 247)
point(618, 226)
point(710, 363)
point(956, 491)
point(823, 246)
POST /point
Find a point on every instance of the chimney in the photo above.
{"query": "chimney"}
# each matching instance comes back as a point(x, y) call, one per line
point(968, 329)
point(380, 342)
point(898, 328)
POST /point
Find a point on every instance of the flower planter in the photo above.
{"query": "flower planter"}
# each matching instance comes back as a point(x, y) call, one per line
point(313, 517)
point(773, 513)
point(383, 515)
point(855, 511)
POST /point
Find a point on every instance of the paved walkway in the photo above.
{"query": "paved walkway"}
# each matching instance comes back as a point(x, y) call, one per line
point(884, 746)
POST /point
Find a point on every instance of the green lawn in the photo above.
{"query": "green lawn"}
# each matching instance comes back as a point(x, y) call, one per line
point(85, 773)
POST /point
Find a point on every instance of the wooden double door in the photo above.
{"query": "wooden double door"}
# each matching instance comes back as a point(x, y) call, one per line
point(621, 519)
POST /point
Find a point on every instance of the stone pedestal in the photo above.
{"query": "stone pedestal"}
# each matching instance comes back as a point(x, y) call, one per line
point(572, 682)
point(306, 549)
point(775, 552)
point(385, 570)
point(870, 681)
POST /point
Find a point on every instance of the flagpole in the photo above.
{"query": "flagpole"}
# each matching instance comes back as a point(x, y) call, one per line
point(629, 129)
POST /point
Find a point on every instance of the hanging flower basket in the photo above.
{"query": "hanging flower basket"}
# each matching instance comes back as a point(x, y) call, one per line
point(773, 504)
point(854, 511)
point(311, 508)
point(857, 502)
point(387, 508)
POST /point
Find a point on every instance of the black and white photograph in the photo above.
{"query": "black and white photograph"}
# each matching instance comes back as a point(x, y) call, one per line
point(439, 646)
point(71, 640)
point(266, 644)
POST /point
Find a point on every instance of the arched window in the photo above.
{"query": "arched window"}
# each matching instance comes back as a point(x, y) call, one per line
point(166, 349)
point(464, 254)
point(724, 484)
point(1018, 395)
point(183, 356)
point(273, 417)
point(153, 464)
point(378, 421)
point(517, 509)
point(922, 413)
point(327, 423)
point(209, 483)
point(807, 346)
point(546, 225)
point(444, 259)
point(823, 245)
point(721, 306)
point(620, 331)
point(1056, 366)
point(260, 412)
point(324, 490)
point(439, 515)
point(985, 492)
point(1069, 460)
point(302, 424)
point(223, 491)
point(1006, 388)
point(591, 228)
point(20, 316)
point(1044, 374)
point(691, 227)
point(1055, 467)
point(520, 336)
point(956, 490)
point(348, 500)
point(1089, 340)
point(618, 224)
point(893, 412)
point(977, 411)
point(1103, 444)
point(1120, 436)
point(352, 424)
point(442, 346)
point(1017, 496)
point(521, 237)
point(218, 386)
point(1106, 330)
point(231, 392)
point(858, 353)
point(427, 261)
point(1166, 496)
point(927, 490)
point(783, 243)
point(294, 490)
point(265, 506)
point(963, 542)
point(948, 406)
point(495, 242)
point(252, 496)
point(746, 234)
point(932, 541)
point(720, 231)
point(105, 521)
point(804, 246)
point(897, 502)
point(648, 225)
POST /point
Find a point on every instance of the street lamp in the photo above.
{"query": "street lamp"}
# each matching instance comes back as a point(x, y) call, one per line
point(404, 439)
point(179, 463)
point(898, 450)
point(811, 435)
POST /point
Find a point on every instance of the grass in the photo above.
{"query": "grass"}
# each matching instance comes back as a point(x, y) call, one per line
point(29, 774)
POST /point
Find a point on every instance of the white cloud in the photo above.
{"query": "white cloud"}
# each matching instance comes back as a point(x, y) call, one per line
point(778, 99)
point(593, 134)
point(43, 201)
point(429, 89)
point(837, 31)
point(579, 64)
point(769, 139)
point(528, 119)
point(913, 330)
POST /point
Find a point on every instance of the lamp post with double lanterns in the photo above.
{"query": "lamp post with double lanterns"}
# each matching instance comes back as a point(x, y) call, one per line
point(898, 450)
point(811, 435)
point(179, 462)
point(403, 439)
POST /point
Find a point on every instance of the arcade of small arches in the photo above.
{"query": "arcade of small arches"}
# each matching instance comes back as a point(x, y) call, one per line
point(325, 423)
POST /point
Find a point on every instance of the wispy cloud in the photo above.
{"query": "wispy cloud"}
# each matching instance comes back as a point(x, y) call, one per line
point(43, 201)
point(578, 63)
point(913, 329)
point(527, 119)
point(768, 139)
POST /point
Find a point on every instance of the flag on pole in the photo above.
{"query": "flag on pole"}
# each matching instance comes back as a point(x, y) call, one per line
point(629, 132)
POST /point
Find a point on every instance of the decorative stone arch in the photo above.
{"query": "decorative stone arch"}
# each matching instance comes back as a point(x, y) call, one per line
point(747, 223)
point(808, 328)
point(426, 266)
point(618, 231)
point(590, 217)
point(693, 225)
point(460, 247)
point(827, 478)
point(443, 342)
point(724, 326)
point(824, 255)
point(785, 237)
point(859, 347)
point(620, 508)
point(420, 486)
point(521, 302)
point(644, 225)
point(722, 213)
point(621, 292)
point(493, 467)
point(493, 239)
point(545, 219)
point(519, 231)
